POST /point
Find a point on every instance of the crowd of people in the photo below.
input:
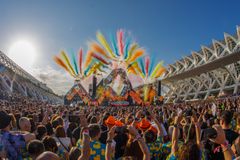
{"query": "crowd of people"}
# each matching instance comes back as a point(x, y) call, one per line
point(187, 131)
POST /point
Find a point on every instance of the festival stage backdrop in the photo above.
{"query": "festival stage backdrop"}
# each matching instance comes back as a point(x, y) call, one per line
point(112, 61)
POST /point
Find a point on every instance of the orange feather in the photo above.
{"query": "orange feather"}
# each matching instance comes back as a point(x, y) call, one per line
point(95, 47)
point(132, 70)
point(160, 72)
point(62, 64)
point(138, 53)
point(88, 58)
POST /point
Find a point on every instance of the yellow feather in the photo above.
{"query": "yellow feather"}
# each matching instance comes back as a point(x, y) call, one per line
point(137, 68)
point(65, 57)
point(133, 47)
point(105, 44)
point(159, 65)
point(160, 72)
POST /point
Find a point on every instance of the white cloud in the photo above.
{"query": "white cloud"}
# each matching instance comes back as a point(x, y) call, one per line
point(59, 81)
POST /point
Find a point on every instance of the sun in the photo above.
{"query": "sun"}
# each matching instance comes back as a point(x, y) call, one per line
point(23, 53)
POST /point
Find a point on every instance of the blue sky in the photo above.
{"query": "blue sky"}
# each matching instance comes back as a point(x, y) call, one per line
point(168, 29)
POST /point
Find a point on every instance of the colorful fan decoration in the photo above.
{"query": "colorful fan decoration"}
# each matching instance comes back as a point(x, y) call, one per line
point(121, 53)
point(145, 68)
point(74, 66)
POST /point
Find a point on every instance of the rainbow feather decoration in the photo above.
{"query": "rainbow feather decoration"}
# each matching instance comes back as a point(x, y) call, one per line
point(123, 52)
point(101, 56)
point(145, 69)
point(92, 65)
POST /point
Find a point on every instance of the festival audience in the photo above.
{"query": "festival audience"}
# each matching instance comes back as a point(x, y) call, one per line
point(198, 130)
point(35, 148)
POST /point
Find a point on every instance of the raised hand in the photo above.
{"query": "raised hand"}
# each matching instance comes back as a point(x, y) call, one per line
point(177, 119)
point(139, 114)
point(133, 131)
point(194, 119)
point(111, 133)
point(221, 139)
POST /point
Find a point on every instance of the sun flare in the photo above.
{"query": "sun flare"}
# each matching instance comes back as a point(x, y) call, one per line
point(23, 53)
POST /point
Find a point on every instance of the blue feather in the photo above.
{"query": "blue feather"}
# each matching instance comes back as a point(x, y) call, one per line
point(128, 42)
point(74, 61)
point(152, 61)
point(114, 44)
point(89, 66)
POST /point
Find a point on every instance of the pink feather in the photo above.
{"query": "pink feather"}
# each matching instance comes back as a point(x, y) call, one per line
point(80, 60)
point(120, 41)
point(147, 62)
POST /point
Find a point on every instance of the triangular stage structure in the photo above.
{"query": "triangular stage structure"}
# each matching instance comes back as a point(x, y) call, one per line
point(106, 94)
point(77, 94)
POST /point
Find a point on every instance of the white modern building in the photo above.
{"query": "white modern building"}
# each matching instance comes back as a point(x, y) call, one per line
point(13, 79)
point(212, 70)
